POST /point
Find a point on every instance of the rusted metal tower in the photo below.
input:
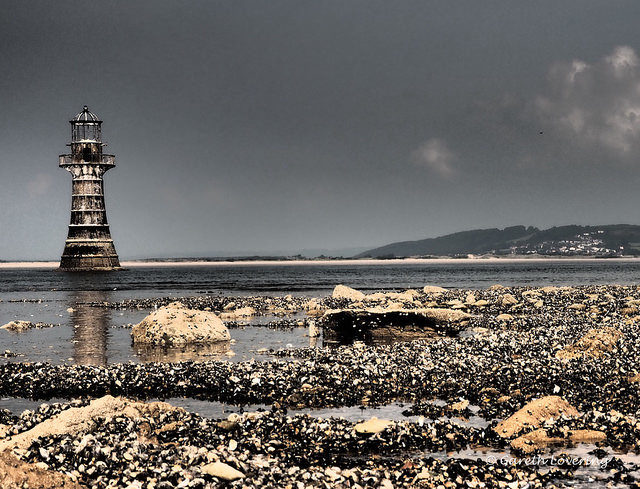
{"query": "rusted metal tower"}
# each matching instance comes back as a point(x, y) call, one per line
point(89, 245)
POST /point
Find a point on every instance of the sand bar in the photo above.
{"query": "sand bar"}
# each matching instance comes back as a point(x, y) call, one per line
point(340, 262)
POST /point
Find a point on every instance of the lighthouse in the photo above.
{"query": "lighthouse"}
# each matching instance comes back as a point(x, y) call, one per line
point(89, 245)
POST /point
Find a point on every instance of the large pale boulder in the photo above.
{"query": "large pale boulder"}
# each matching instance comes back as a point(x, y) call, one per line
point(175, 324)
point(83, 419)
point(534, 414)
point(344, 292)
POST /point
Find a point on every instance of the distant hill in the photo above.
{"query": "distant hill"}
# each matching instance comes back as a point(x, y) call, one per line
point(611, 240)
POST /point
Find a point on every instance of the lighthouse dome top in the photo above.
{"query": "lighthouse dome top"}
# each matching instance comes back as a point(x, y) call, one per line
point(85, 116)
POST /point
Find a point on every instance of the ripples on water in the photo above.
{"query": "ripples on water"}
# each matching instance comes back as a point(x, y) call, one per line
point(321, 278)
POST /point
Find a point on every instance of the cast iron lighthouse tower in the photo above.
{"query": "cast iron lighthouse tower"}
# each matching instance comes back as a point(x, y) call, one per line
point(89, 245)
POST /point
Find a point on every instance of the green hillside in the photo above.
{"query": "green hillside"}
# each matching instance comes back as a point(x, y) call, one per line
point(610, 240)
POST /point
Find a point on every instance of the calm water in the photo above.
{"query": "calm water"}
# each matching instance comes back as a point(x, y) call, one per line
point(96, 335)
point(307, 279)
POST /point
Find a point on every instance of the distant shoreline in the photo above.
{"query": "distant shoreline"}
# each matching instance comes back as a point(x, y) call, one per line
point(346, 261)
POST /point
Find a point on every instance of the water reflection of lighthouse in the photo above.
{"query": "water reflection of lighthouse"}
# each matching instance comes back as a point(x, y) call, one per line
point(90, 327)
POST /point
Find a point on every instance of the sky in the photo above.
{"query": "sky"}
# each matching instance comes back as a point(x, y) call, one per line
point(251, 126)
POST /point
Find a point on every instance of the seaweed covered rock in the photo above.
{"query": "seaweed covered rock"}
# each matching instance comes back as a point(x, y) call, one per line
point(594, 344)
point(379, 323)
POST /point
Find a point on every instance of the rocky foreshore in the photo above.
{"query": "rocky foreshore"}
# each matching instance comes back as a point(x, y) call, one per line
point(547, 371)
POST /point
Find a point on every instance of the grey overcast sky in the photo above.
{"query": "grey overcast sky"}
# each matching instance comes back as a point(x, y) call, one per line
point(282, 125)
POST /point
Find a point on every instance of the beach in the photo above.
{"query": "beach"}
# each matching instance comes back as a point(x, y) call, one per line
point(432, 400)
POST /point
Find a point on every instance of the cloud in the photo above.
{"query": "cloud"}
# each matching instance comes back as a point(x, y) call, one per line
point(434, 155)
point(39, 184)
point(594, 105)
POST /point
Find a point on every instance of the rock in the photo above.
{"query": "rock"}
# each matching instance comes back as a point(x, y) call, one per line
point(594, 344)
point(504, 317)
point(227, 425)
point(16, 474)
point(222, 471)
point(315, 313)
point(407, 296)
point(539, 439)
point(433, 289)
point(18, 326)
point(245, 312)
point(480, 330)
point(386, 484)
point(550, 289)
point(376, 297)
point(577, 307)
point(378, 323)
point(459, 406)
point(587, 436)
point(496, 287)
point(372, 426)
point(174, 324)
point(238, 313)
point(83, 419)
point(344, 292)
point(534, 414)
point(634, 379)
point(314, 331)
point(313, 308)
point(629, 311)
point(481, 303)
point(508, 300)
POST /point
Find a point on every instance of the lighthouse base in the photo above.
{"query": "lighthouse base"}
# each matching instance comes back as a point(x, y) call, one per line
point(87, 257)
